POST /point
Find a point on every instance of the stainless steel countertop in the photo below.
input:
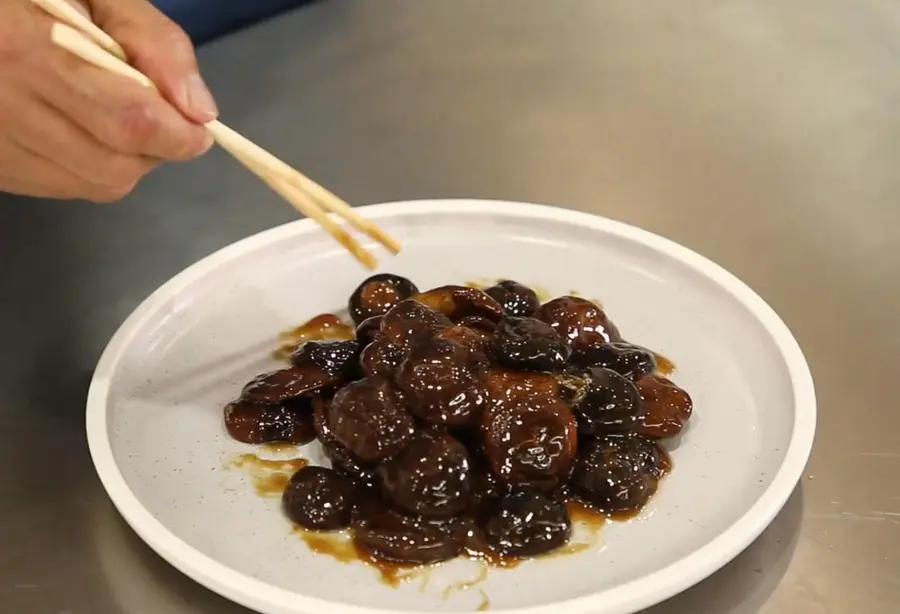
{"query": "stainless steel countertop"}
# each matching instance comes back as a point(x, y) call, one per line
point(763, 133)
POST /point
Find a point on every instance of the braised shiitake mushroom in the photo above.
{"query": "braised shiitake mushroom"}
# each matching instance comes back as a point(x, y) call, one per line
point(318, 498)
point(516, 299)
point(528, 343)
point(459, 302)
point(368, 330)
point(251, 422)
point(526, 523)
point(579, 321)
point(342, 460)
point(476, 340)
point(632, 361)
point(377, 295)
point(338, 358)
point(429, 477)
point(380, 358)
point(388, 535)
point(667, 407)
point(618, 473)
point(286, 384)
point(369, 418)
point(478, 323)
point(441, 383)
point(611, 403)
point(530, 433)
point(409, 321)
point(533, 444)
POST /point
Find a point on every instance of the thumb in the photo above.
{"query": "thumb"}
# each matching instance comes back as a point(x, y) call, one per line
point(161, 50)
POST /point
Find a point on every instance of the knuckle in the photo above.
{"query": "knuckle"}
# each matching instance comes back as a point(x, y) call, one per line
point(175, 39)
point(136, 126)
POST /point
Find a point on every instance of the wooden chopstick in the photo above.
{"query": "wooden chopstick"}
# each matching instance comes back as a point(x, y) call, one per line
point(84, 39)
point(68, 14)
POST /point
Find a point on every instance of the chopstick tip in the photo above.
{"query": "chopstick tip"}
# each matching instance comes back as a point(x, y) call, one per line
point(368, 260)
point(389, 242)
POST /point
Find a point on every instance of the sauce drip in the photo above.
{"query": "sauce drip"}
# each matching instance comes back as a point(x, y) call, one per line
point(270, 477)
point(664, 366)
point(341, 547)
point(580, 511)
point(323, 327)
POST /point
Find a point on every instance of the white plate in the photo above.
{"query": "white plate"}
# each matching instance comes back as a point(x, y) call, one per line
point(155, 431)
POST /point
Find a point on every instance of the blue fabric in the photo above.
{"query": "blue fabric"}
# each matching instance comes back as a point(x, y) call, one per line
point(205, 20)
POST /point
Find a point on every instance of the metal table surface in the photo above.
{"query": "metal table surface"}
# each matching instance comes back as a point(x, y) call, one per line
point(762, 133)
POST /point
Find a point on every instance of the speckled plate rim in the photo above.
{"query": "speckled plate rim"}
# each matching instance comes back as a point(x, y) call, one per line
point(623, 599)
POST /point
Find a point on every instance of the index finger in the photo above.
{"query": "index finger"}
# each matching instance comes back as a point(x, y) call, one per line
point(161, 50)
point(120, 113)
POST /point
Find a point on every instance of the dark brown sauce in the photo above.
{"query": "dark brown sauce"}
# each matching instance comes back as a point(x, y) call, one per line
point(270, 477)
point(581, 512)
point(323, 327)
point(342, 548)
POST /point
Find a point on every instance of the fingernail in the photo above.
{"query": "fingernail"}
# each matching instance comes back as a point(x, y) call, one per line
point(199, 97)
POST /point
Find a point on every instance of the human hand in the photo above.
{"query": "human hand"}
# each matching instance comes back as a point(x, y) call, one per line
point(70, 130)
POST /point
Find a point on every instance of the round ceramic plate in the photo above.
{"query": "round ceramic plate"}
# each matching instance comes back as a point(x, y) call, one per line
point(154, 411)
